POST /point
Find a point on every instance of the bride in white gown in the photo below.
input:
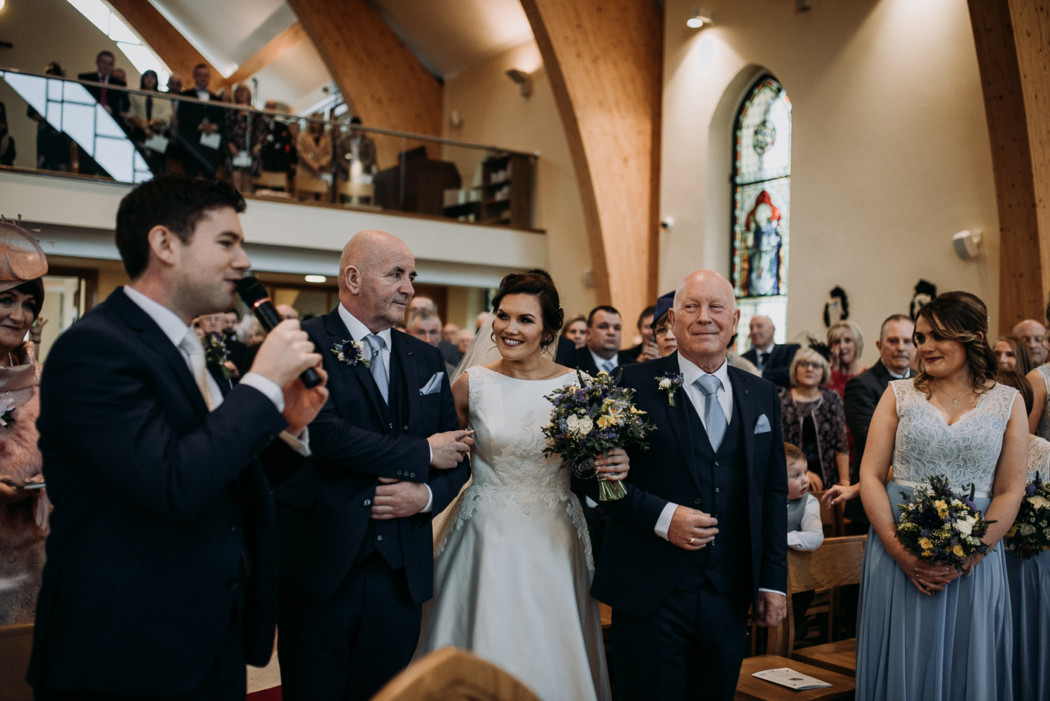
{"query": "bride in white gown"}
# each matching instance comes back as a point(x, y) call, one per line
point(513, 566)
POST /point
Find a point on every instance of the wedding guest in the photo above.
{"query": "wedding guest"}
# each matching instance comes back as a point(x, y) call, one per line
point(847, 345)
point(23, 512)
point(814, 420)
point(355, 156)
point(447, 346)
point(772, 359)
point(924, 631)
point(863, 392)
point(111, 100)
point(52, 145)
point(199, 121)
point(1030, 333)
point(575, 330)
point(1012, 355)
point(663, 331)
point(314, 148)
point(805, 530)
point(255, 333)
point(1030, 578)
point(646, 348)
point(151, 116)
point(601, 351)
point(463, 340)
point(243, 133)
point(425, 325)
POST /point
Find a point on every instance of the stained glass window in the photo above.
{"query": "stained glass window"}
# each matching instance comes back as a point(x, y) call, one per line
point(762, 203)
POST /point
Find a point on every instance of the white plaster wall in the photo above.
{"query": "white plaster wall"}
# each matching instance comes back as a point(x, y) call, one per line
point(890, 148)
point(494, 112)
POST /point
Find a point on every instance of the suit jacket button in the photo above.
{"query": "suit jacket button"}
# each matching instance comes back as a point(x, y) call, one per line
point(379, 537)
point(398, 473)
point(696, 501)
point(405, 428)
point(716, 490)
point(412, 475)
point(390, 425)
point(366, 502)
point(717, 464)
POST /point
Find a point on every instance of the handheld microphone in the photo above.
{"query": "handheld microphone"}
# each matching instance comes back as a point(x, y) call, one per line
point(254, 295)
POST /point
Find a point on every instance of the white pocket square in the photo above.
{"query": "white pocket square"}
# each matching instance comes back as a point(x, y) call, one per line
point(433, 385)
point(762, 425)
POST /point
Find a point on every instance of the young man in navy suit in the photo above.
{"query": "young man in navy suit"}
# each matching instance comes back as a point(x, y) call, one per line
point(356, 543)
point(702, 532)
point(161, 576)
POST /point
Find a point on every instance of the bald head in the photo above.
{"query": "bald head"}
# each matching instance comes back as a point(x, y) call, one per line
point(704, 318)
point(375, 280)
point(1030, 333)
point(761, 331)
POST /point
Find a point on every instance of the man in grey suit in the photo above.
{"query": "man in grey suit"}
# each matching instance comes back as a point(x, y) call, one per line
point(897, 352)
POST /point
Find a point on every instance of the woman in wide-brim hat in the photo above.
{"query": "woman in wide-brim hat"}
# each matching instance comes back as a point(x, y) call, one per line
point(23, 512)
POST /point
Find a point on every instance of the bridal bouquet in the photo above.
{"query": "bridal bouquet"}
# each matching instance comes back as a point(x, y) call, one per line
point(1030, 534)
point(591, 418)
point(939, 526)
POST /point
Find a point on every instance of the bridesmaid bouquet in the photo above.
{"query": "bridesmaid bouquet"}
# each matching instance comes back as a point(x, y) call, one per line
point(591, 418)
point(1030, 534)
point(939, 526)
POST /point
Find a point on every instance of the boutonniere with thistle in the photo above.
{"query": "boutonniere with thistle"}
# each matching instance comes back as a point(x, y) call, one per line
point(350, 352)
point(216, 352)
point(669, 382)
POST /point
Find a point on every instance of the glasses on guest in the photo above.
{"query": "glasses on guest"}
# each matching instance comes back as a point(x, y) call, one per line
point(810, 364)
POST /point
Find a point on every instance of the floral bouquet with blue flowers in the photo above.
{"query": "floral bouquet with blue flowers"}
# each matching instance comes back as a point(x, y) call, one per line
point(592, 417)
point(939, 526)
point(1030, 534)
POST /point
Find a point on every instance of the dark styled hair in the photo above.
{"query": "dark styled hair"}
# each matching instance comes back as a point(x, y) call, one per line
point(105, 52)
point(1013, 378)
point(156, 80)
point(173, 201)
point(570, 322)
point(601, 308)
point(545, 293)
point(34, 289)
point(961, 317)
point(648, 311)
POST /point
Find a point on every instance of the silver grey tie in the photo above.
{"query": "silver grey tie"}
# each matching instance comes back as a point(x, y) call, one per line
point(376, 365)
point(714, 416)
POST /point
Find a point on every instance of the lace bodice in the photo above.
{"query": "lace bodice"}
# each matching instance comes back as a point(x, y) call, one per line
point(1043, 430)
point(966, 452)
point(1038, 458)
point(508, 466)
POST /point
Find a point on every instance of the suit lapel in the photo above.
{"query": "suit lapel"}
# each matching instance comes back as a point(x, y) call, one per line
point(359, 373)
point(744, 409)
point(160, 345)
point(677, 416)
point(403, 386)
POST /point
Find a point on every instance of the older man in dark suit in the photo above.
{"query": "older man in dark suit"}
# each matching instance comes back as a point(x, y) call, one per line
point(773, 360)
point(357, 552)
point(863, 392)
point(161, 576)
point(702, 532)
point(198, 121)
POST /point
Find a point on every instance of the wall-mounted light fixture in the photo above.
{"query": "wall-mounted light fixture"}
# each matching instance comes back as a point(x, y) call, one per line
point(316, 279)
point(699, 18)
point(523, 79)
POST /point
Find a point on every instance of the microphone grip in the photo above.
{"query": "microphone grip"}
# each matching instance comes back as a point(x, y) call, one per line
point(267, 315)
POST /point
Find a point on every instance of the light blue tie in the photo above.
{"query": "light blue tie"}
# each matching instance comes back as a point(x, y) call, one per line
point(375, 364)
point(608, 366)
point(714, 416)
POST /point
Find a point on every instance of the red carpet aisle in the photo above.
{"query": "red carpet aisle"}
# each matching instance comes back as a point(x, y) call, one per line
point(265, 684)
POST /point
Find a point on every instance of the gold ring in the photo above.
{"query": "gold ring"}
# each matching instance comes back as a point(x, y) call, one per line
point(692, 541)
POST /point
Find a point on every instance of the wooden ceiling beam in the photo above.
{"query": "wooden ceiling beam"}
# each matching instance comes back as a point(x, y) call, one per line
point(605, 62)
point(164, 39)
point(375, 71)
point(269, 53)
point(1011, 37)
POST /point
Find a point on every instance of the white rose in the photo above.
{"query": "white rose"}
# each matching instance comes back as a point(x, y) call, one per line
point(586, 425)
point(573, 422)
point(965, 525)
point(1039, 502)
point(665, 384)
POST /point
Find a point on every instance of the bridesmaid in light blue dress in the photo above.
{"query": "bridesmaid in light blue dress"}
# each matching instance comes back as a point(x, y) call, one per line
point(925, 632)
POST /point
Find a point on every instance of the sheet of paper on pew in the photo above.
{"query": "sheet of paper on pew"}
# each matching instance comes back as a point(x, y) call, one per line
point(785, 676)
